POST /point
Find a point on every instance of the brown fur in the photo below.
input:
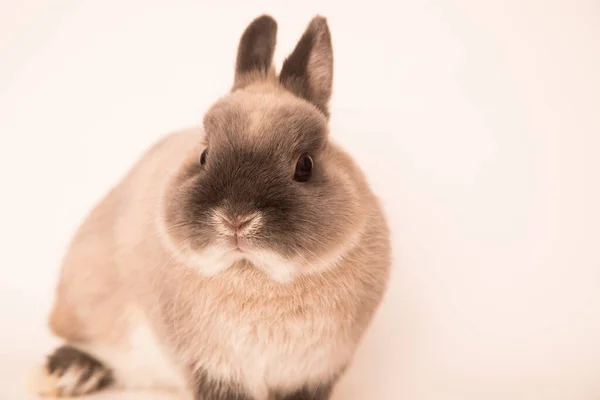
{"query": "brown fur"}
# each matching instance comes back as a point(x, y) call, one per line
point(137, 256)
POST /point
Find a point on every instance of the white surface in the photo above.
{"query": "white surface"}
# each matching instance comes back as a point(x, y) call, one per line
point(477, 122)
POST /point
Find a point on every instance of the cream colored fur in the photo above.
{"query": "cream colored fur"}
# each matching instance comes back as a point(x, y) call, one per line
point(155, 310)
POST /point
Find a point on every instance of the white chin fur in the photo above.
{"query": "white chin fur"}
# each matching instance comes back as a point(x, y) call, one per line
point(276, 267)
point(214, 260)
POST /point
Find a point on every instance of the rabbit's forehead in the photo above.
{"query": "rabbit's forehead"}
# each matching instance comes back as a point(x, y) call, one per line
point(265, 117)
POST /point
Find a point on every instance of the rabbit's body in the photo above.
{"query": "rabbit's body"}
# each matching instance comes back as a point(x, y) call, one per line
point(139, 293)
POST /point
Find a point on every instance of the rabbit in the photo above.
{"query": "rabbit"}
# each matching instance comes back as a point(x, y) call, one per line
point(243, 259)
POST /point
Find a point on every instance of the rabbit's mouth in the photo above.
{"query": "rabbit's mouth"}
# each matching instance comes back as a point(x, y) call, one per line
point(238, 244)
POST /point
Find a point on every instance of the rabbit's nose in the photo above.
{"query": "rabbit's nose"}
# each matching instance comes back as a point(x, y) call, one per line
point(238, 223)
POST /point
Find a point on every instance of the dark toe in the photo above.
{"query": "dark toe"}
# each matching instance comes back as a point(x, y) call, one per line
point(66, 357)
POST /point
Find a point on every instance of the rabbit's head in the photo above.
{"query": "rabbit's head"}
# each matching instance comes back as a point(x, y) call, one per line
point(265, 184)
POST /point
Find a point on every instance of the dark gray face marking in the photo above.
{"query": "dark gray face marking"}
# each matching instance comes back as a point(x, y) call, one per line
point(207, 388)
point(247, 173)
point(68, 359)
point(322, 392)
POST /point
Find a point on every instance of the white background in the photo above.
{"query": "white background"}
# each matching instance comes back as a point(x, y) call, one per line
point(477, 122)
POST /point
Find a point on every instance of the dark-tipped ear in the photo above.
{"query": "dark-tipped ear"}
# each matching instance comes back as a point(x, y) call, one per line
point(308, 71)
point(255, 52)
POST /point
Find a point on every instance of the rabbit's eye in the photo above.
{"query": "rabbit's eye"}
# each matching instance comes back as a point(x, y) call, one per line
point(304, 167)
point(203, 157)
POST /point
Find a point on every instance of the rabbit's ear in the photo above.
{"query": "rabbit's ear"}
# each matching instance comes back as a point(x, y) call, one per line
point(308, 71)
point(255, 52)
